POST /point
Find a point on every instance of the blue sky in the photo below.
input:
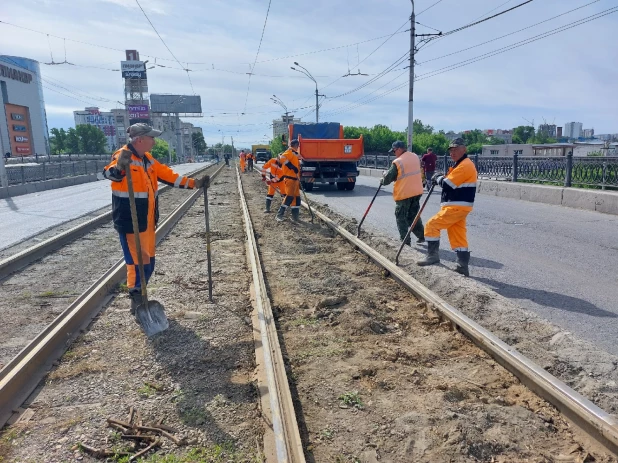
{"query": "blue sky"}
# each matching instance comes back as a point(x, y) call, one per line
point(569, 76)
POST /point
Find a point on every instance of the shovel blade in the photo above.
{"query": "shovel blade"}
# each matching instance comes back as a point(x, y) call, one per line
point(151, 318)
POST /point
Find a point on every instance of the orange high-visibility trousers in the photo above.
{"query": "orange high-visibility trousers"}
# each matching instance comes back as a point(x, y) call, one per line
point(147, 242)
point(242, 164)
point(453, 220)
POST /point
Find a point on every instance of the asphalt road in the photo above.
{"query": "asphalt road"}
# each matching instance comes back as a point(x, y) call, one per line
point(26, 215)
point(558, 262)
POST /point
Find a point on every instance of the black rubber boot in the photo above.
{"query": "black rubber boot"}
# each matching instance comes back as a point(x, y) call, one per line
point(136, 300)
point(433, 254)
point(420, 237)
point(463, 259)
point(269, 201)
point(280, 215)
point(295, 215)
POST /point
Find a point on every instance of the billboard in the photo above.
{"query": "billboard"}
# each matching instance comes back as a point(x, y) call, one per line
point(132, 66)
point(138, 111)
point(20, 138)
point(182, 104)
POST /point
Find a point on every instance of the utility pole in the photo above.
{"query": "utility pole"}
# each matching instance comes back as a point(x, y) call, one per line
point(411, 95)
point(179, 150)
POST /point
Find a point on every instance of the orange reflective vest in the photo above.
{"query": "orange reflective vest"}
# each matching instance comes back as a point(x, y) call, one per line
point(409, 181)
point(146, 173)
point(290, 165)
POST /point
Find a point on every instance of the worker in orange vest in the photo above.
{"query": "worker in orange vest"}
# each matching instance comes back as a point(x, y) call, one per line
point(243, 160)
point(405, 171)
point(146, 172)
point(290, 167)
point(271, 174)
point(250, 159)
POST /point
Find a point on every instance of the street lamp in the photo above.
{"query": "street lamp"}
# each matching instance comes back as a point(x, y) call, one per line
point(305, 72)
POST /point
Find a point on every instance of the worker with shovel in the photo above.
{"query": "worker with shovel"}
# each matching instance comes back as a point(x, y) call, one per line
point(290, 169)
point(407, 191)
point(271, 174)
point(458, 191)
point(135, 175)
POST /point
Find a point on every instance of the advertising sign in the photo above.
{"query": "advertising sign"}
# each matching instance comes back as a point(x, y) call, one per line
point(134, 74)
point(132, 66)
point(20, 135)
point(15, 74)
point(138, 111)
point(183, 104)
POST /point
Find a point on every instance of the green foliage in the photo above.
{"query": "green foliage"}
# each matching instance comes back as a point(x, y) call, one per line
point(351, 399)
point(277, 147)
point(58, 141)
point(522, 134)
point(83, 139)
point(161, 150)
point(199, 143)
point(419, 128)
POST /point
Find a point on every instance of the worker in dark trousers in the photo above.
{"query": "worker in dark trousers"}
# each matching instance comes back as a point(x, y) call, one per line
point(405, 171)
point(146, 173)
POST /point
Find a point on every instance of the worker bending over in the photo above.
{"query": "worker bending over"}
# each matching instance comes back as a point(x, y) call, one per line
point(272, 175)
point(290, 169)
point(146, 172)
point(458, 192)
point(407, 191)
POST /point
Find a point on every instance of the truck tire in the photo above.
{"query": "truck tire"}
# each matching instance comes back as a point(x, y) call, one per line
point(350, 186)
point(308, 186)
point(341, 186)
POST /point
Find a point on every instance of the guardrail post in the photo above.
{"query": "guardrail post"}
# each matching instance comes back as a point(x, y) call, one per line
point(604, 175)
point(569, 170)
point(23, 174)
point(476, 162)
point(73, 168)
point(445, 164)
point(375, 164)
point(515, 168)
point(86, 167)
point(44, 171)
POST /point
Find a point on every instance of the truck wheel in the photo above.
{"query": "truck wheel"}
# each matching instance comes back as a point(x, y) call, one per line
point(350, 186)
point(341, 186)
point(331, 183)
point(308, 186)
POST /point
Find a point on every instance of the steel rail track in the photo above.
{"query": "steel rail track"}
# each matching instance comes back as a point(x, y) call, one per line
point(288, 444)
point(21, 376)
point(594, 421)
point(25, 257)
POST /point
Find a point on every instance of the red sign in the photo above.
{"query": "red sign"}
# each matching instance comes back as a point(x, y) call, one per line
point(22, 149)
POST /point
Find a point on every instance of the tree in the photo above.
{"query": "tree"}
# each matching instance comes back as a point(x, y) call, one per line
point(197, 139)
point(58, 141)
point(522, 134)
point(277, 147)
point(419, 128)
point(72, 142)
point(161, 150)
point(91, 139)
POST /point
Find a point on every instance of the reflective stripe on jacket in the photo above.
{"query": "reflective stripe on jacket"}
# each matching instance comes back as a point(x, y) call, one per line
point(459, 185)
point(146, 172)
point(290, 164)
point(409, 181)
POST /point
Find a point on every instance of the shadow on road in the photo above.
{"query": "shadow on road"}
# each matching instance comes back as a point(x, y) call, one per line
point(451, 256)
point(11, 204)
point(328, 191)
point(547, 298)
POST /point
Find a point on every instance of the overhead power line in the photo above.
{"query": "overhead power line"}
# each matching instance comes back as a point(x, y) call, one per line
point(258, 53)
point(165, 44)
point(429, 7)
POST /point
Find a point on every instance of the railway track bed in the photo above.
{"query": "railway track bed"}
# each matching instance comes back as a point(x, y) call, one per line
point(374, 373)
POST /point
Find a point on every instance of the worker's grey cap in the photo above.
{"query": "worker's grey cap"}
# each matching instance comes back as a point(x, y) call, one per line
point(294, 142)
point(142, 130)
point(397, 144)
point(457, 142)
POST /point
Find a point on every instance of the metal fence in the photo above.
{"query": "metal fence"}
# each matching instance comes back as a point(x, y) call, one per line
point(57, 158)
point(564, 170)
point(52, 170)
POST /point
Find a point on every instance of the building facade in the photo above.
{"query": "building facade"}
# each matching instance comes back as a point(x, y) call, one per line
point(548, 130)
point(507, 150)
point(105, 121)
point(280, 126)
point(23, 121)
point(572, 130)
point(588, 133)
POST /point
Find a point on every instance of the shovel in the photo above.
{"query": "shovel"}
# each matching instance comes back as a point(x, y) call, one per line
point(306, 200)
point(149, 314)
point(418, 216)
point(367, 211)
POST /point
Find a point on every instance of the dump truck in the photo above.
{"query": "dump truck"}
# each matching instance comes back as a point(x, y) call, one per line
point(326, 157)
point(261, 152)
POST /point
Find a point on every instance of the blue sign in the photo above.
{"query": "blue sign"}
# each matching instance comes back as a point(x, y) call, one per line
point(19, 128)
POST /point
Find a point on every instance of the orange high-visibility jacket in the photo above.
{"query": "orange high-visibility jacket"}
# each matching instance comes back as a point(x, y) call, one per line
point(272, 168)
point(290, 165)
point(146, 172)
point(409, 182)
point(459, 185)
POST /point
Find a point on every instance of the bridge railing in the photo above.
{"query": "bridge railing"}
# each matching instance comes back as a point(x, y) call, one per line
point(600, 172)
point(51, 170)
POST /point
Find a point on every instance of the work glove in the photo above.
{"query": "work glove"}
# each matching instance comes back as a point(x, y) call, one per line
point(437, 180)
point(201, 182)
point(124, 160)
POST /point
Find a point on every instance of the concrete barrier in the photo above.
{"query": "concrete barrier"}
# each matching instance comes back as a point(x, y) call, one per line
point(27, 188)
point(578, 198)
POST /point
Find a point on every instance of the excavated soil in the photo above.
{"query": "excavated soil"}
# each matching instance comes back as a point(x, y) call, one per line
point(377, 376)
point(197, 377)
